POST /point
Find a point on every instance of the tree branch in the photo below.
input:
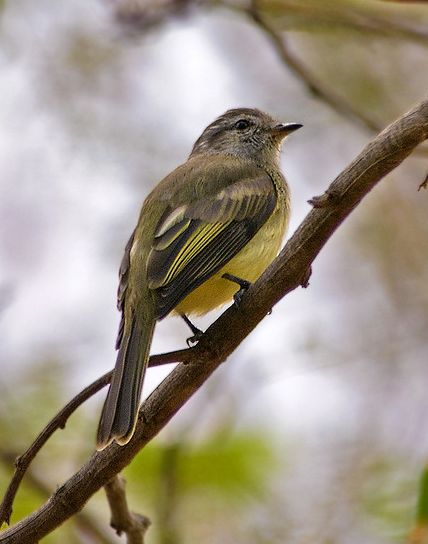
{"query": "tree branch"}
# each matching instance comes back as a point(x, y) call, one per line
point(287, 272)
point(86, 523)
point(59, 421)
point(122, 520)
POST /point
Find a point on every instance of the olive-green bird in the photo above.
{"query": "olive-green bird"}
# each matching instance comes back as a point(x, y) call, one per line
point(224, 211)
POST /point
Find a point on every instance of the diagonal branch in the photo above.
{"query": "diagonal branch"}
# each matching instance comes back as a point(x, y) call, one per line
point(287, 272)
point(59, 421)
point(86, 523)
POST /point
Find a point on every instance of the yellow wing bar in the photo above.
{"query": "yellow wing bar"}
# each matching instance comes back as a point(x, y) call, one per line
point(200, 239)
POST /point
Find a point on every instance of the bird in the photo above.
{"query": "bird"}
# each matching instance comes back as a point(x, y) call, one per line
point(215, 221)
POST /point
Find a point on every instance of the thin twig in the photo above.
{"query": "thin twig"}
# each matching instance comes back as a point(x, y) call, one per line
point(313, 84)
point(122, 519)
point(59, 421)
point(178, 356)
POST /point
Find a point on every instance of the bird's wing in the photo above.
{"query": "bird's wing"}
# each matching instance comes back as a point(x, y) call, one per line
point(123, 285)
point(193, 241)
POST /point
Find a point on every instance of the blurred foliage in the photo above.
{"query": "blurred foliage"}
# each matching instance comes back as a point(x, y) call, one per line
point(223, 473)
point(419, 534)
point(352, 53)
point(178, 482)
point(360, 15)
point(233, 464)
point(422, 513)
point(388, 497)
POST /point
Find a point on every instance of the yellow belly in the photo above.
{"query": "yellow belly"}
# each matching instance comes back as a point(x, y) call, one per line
point(248, 265)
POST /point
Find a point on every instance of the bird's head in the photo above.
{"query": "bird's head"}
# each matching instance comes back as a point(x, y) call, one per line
point(245, 132)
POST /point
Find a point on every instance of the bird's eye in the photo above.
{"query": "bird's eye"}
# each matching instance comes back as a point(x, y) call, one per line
point(242, 124)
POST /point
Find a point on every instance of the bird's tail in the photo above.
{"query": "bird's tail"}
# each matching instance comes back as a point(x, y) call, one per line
point(120, 410)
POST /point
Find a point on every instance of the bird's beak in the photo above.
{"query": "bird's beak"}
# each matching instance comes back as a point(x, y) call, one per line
point(284, 129)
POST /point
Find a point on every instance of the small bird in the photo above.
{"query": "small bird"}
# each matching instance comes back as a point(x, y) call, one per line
point(216, 220)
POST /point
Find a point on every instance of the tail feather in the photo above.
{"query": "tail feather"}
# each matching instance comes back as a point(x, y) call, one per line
point(119, 414)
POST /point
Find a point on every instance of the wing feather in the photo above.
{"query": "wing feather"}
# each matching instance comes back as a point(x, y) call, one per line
point(123, 286)
point(194, 243)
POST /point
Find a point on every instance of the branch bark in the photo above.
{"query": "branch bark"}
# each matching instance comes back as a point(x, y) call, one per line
point(86, 524)
point(59, 421)
point(122, 519)
point(288, 271)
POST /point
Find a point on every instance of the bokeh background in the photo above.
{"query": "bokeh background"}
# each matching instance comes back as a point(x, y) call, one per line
point(315, 430)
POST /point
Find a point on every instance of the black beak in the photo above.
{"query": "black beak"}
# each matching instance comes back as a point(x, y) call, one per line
point(284, 129)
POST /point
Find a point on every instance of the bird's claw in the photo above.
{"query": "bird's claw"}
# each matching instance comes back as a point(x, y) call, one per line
point(243, 286)
point(192, 340)
point(197, 333)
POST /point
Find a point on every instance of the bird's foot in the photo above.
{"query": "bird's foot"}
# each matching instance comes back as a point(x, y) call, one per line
point(243, 286)
point(197, 333)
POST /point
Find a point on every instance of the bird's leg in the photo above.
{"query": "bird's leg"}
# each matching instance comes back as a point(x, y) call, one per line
point(243, 286)
point(197, 333)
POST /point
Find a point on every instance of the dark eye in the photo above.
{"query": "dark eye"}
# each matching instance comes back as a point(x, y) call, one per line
point(242, 124)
